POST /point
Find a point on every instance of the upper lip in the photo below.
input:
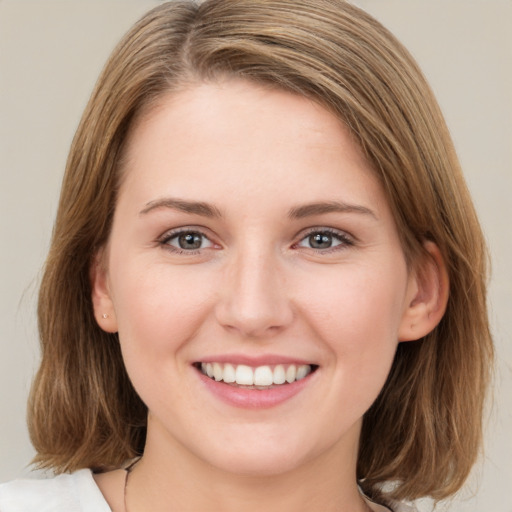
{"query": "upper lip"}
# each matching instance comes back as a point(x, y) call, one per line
point(254, 361)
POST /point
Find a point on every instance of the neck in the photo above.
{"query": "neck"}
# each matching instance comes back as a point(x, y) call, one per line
point(174, 479)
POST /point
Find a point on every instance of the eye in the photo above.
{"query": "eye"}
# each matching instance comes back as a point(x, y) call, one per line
point(185, 241)
point(324, 239)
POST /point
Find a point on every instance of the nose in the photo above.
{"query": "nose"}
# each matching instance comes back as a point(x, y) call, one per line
point(254, 297)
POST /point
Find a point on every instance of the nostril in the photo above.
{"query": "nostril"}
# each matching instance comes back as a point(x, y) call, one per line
point(254, 321)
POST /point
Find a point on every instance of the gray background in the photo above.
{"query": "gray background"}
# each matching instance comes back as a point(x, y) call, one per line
point(51, 52)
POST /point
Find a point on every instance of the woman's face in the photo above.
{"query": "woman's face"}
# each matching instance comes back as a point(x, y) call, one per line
point(252, 240)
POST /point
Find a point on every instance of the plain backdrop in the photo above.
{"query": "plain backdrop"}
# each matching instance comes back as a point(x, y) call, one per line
point(51, 52)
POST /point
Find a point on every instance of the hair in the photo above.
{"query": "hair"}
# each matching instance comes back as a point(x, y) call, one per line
point(424, 431)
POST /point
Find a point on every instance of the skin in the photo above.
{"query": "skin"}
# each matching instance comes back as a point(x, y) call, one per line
point(256, 287)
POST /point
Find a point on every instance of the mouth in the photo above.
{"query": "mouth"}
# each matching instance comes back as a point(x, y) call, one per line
point(260, 377)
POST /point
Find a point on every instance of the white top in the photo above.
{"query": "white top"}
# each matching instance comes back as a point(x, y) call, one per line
point(76, 492)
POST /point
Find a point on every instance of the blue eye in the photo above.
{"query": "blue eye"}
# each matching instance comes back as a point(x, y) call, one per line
point(188, 241)
point(324, 239)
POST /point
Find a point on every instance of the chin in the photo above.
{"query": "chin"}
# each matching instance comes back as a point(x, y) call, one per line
point(256, 465)
point(263, 457)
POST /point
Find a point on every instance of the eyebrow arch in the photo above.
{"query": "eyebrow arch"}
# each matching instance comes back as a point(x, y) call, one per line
point(320, 208)
point(195, 207)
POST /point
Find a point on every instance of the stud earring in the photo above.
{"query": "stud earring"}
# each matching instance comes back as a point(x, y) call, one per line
point(104, 315)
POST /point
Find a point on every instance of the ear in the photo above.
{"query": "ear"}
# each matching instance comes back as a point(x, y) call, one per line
point(428, 291)
point(103, 306)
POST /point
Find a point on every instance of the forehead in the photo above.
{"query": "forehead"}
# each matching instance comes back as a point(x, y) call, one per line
point(249, 104)
point(235, 136)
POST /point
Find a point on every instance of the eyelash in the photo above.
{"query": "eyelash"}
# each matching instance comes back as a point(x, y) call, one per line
point(343, 238)
point(174, 234)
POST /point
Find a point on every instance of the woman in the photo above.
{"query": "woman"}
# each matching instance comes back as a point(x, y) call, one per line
point(266, 286)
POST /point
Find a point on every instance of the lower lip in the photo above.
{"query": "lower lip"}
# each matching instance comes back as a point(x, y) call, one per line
point(247, 398)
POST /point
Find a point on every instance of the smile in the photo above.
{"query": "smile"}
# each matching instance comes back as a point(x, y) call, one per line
point(255, 377)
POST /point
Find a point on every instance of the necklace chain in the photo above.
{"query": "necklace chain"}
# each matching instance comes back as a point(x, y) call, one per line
point(126, 478)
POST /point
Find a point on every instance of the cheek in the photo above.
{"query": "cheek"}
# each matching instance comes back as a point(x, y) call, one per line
point(356, 308)
point(158, 312)
point(356, 315)
point(158, 308)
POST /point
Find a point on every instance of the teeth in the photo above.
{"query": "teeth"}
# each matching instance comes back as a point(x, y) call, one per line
point(291, 373)
point(263, 376)
point(229, 373)
point(244, 375)
point(302, 371)
point(218, 374)
point(279, 374)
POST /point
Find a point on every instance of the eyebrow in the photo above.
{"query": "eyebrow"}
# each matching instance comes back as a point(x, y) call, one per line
point(194, 207)
point(298, 212)
point(320, 208)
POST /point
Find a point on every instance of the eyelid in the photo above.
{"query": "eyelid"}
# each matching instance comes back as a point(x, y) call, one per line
point(346, 239)
point(168, 235)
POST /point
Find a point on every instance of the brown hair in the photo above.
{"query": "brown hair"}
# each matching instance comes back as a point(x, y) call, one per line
point(424, 430)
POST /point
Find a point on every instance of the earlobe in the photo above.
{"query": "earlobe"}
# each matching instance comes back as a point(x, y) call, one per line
point(428, 295)
point(101, 297)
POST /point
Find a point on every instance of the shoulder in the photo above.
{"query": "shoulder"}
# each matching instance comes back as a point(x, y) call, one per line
point(75, 492)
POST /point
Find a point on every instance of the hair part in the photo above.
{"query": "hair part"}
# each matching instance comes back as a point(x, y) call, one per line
point(424, 430)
